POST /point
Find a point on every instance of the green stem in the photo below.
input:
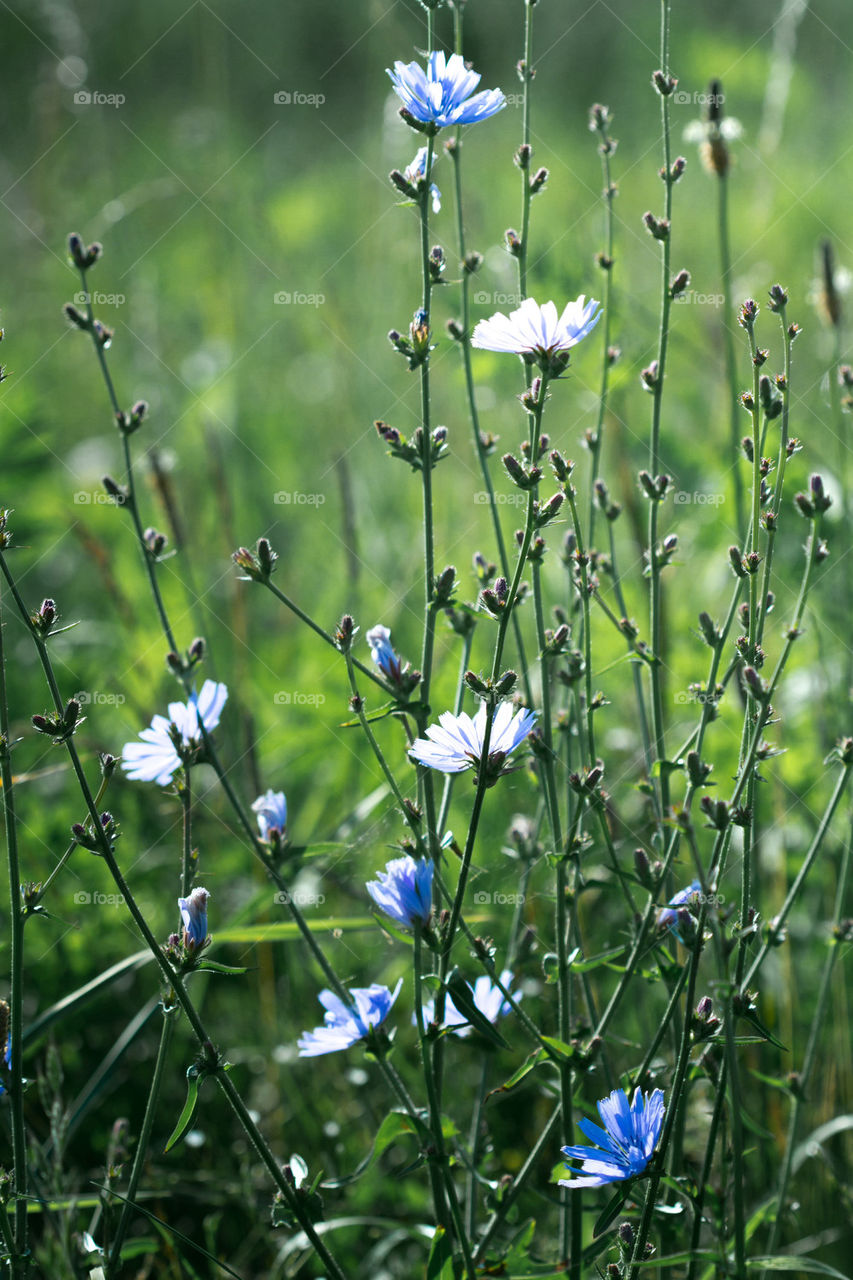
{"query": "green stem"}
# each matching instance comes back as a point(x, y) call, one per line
point(729, 346)
point(654, 449)
point(801, 1093)
point(605, 149)
point(141, 1153)
point(15, 1031)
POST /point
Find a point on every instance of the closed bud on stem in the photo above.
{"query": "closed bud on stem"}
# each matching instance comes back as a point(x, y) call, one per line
point(778, 298)
point(444, 586)
point(345, 633)
point(45, 616)
point(658, 228)
point(665, 84)
point(736, 562)
point(513, 242)
point(506, 683)
point(116, 491)
point(679, 283)
point(820, 497)
point(747, 314)
point(76, 317)
point(537, 182)
point(155, 542)
point(522, 155)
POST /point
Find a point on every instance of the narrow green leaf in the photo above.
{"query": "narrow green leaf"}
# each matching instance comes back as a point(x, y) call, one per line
point(790, 1262)
point(213, 966)
point(595, 962)
point(463, 998)
point(562, 1050)
point(610, 1212)
point(540, 1055)
point(194, 1079)
point(440, 1264)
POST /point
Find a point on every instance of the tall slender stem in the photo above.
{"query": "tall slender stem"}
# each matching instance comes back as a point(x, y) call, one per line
point(15, 1029)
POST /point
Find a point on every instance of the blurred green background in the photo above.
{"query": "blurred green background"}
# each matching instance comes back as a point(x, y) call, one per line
point(255, 258)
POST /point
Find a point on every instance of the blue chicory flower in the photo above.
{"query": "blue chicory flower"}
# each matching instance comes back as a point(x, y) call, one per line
point(440, 95)
point(456, 742)
point(345, 1024)
point(415, 173)
point(156, 758)
point(668, 915)
point(382, 652)
point(404, 890)
point(625, 1144)
point(271, 812)
point(538, 332)
point(489, 999)
point(194, 915)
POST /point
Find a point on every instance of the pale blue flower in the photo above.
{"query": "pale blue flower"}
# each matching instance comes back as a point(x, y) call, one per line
point(382, 652)
point(404, 890)
point(537, 331)
point(194, 915)
point(440, 95)
point(668, 915)
point(625, 1144)
point(270, 810)
point(156, 758)
point(456, 742)
point(416, 174)
point(345, 1024)
point(488, 998)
